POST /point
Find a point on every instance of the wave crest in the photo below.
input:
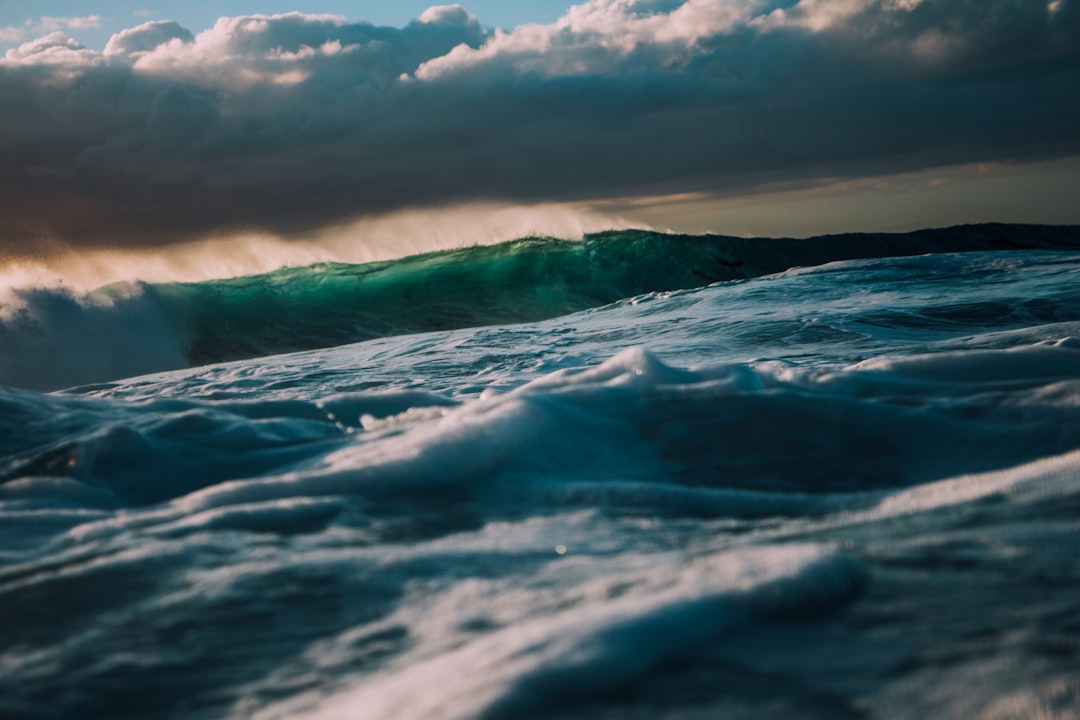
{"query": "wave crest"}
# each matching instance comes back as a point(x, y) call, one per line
point(55, 338)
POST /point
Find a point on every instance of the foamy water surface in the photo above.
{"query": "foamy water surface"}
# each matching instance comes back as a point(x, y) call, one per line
point(849, 490)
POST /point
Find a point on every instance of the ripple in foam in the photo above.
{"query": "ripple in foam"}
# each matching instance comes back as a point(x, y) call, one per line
point(678, 610)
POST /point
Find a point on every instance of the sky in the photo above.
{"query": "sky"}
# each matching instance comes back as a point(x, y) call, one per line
point(100, 19)
point(143, 125)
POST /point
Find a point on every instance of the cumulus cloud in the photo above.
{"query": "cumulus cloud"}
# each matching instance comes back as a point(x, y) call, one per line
point(147, 37)
point(290, 122)
point(602, 37)
point(56, 48)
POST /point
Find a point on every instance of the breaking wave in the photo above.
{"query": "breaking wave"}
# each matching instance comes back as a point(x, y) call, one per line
point(56, 338)
point(841, 491)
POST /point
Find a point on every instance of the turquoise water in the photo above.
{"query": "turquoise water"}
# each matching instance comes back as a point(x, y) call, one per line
point(54, 338)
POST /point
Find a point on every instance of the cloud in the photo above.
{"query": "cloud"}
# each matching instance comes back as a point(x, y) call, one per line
point(600, 37)
point(56, 48)
point(12, 33)
point(51, 24)
point(47, 25)
point(147, 38)
point(286, 123)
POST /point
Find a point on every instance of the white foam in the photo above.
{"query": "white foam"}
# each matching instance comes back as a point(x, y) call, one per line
point(1043, 478)
point(53, 338)
point(606, 642)
point(757, 440)
point(1031, 363)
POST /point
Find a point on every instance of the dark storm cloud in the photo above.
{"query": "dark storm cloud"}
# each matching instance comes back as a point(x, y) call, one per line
point(289, 122)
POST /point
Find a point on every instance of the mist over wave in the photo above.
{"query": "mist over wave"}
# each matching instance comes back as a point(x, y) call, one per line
point(59, 338)
point(387, 236)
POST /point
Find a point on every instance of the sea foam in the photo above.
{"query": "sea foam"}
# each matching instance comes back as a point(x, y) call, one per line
point(780, 496)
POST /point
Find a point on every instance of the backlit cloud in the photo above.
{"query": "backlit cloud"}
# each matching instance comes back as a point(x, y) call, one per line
point(56, 48)
point(147, 37)
point(290, 122)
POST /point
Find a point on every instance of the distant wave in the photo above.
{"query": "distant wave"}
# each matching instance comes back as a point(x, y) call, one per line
point(54, 338)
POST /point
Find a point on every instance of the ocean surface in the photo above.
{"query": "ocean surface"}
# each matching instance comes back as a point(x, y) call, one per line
point(631, 476)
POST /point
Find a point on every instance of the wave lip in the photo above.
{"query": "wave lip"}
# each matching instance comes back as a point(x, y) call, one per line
point(52, 338)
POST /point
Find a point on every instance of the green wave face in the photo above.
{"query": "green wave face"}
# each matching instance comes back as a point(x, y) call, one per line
point(522, 280)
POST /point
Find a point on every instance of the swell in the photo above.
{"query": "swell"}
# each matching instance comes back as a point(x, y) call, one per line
point(523, 280)
point(55, 339)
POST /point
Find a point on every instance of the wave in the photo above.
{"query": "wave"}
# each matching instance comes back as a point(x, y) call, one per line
point(526, 554)
point(55, 338)
point(777, 497)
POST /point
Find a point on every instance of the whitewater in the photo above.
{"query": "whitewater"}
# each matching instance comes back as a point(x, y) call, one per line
point(635, 475)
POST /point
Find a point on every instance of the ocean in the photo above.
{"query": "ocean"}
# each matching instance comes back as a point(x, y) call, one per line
point(634, 475)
